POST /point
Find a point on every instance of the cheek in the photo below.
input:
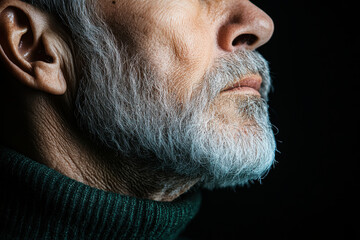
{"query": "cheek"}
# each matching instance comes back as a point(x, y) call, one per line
point(186, 55)
point(175, 37)
point(180, 44)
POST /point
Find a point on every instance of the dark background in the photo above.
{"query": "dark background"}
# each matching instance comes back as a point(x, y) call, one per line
point(312, 193)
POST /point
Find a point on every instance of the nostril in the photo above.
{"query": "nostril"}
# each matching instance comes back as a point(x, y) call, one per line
point(248, 39)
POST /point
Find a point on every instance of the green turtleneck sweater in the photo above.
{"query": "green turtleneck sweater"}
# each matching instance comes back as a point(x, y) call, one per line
point(37, 202)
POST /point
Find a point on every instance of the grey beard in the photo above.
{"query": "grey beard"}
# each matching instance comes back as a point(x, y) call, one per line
point(125, 106)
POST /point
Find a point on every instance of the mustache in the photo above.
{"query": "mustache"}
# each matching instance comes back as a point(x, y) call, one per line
point(235, 66)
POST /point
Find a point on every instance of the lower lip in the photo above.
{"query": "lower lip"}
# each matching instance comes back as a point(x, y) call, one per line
point(244, 90)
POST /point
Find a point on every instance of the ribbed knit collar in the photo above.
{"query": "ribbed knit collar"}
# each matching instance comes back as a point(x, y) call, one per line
point(37, 202)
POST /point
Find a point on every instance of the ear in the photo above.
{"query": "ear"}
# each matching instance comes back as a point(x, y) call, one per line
point(29, 48)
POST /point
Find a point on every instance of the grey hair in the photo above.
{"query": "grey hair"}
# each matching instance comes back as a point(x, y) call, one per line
point(112, 106)
point(89, 34)
point(94, 47)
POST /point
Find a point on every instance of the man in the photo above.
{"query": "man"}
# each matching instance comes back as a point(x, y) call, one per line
point(115, 112)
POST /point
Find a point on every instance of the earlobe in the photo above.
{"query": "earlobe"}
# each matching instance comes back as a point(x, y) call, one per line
point(29, 49)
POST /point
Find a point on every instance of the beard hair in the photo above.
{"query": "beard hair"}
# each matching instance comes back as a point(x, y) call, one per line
point(124, 105)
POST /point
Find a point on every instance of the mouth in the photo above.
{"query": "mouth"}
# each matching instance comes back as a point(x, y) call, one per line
point(249, 84)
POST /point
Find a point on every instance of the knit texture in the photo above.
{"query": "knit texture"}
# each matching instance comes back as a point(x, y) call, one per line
point(37, 202)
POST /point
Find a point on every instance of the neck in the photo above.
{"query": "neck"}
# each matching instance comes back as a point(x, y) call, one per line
point(38, 201)
point(54, 141)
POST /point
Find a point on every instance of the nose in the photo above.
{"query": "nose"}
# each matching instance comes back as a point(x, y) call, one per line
point(247, 27)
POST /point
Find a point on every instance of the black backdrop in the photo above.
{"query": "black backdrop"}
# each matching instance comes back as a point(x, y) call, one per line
point(312, 193)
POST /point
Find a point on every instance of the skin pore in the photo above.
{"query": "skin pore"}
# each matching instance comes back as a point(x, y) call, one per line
point(186, 35)
point(182, 39)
